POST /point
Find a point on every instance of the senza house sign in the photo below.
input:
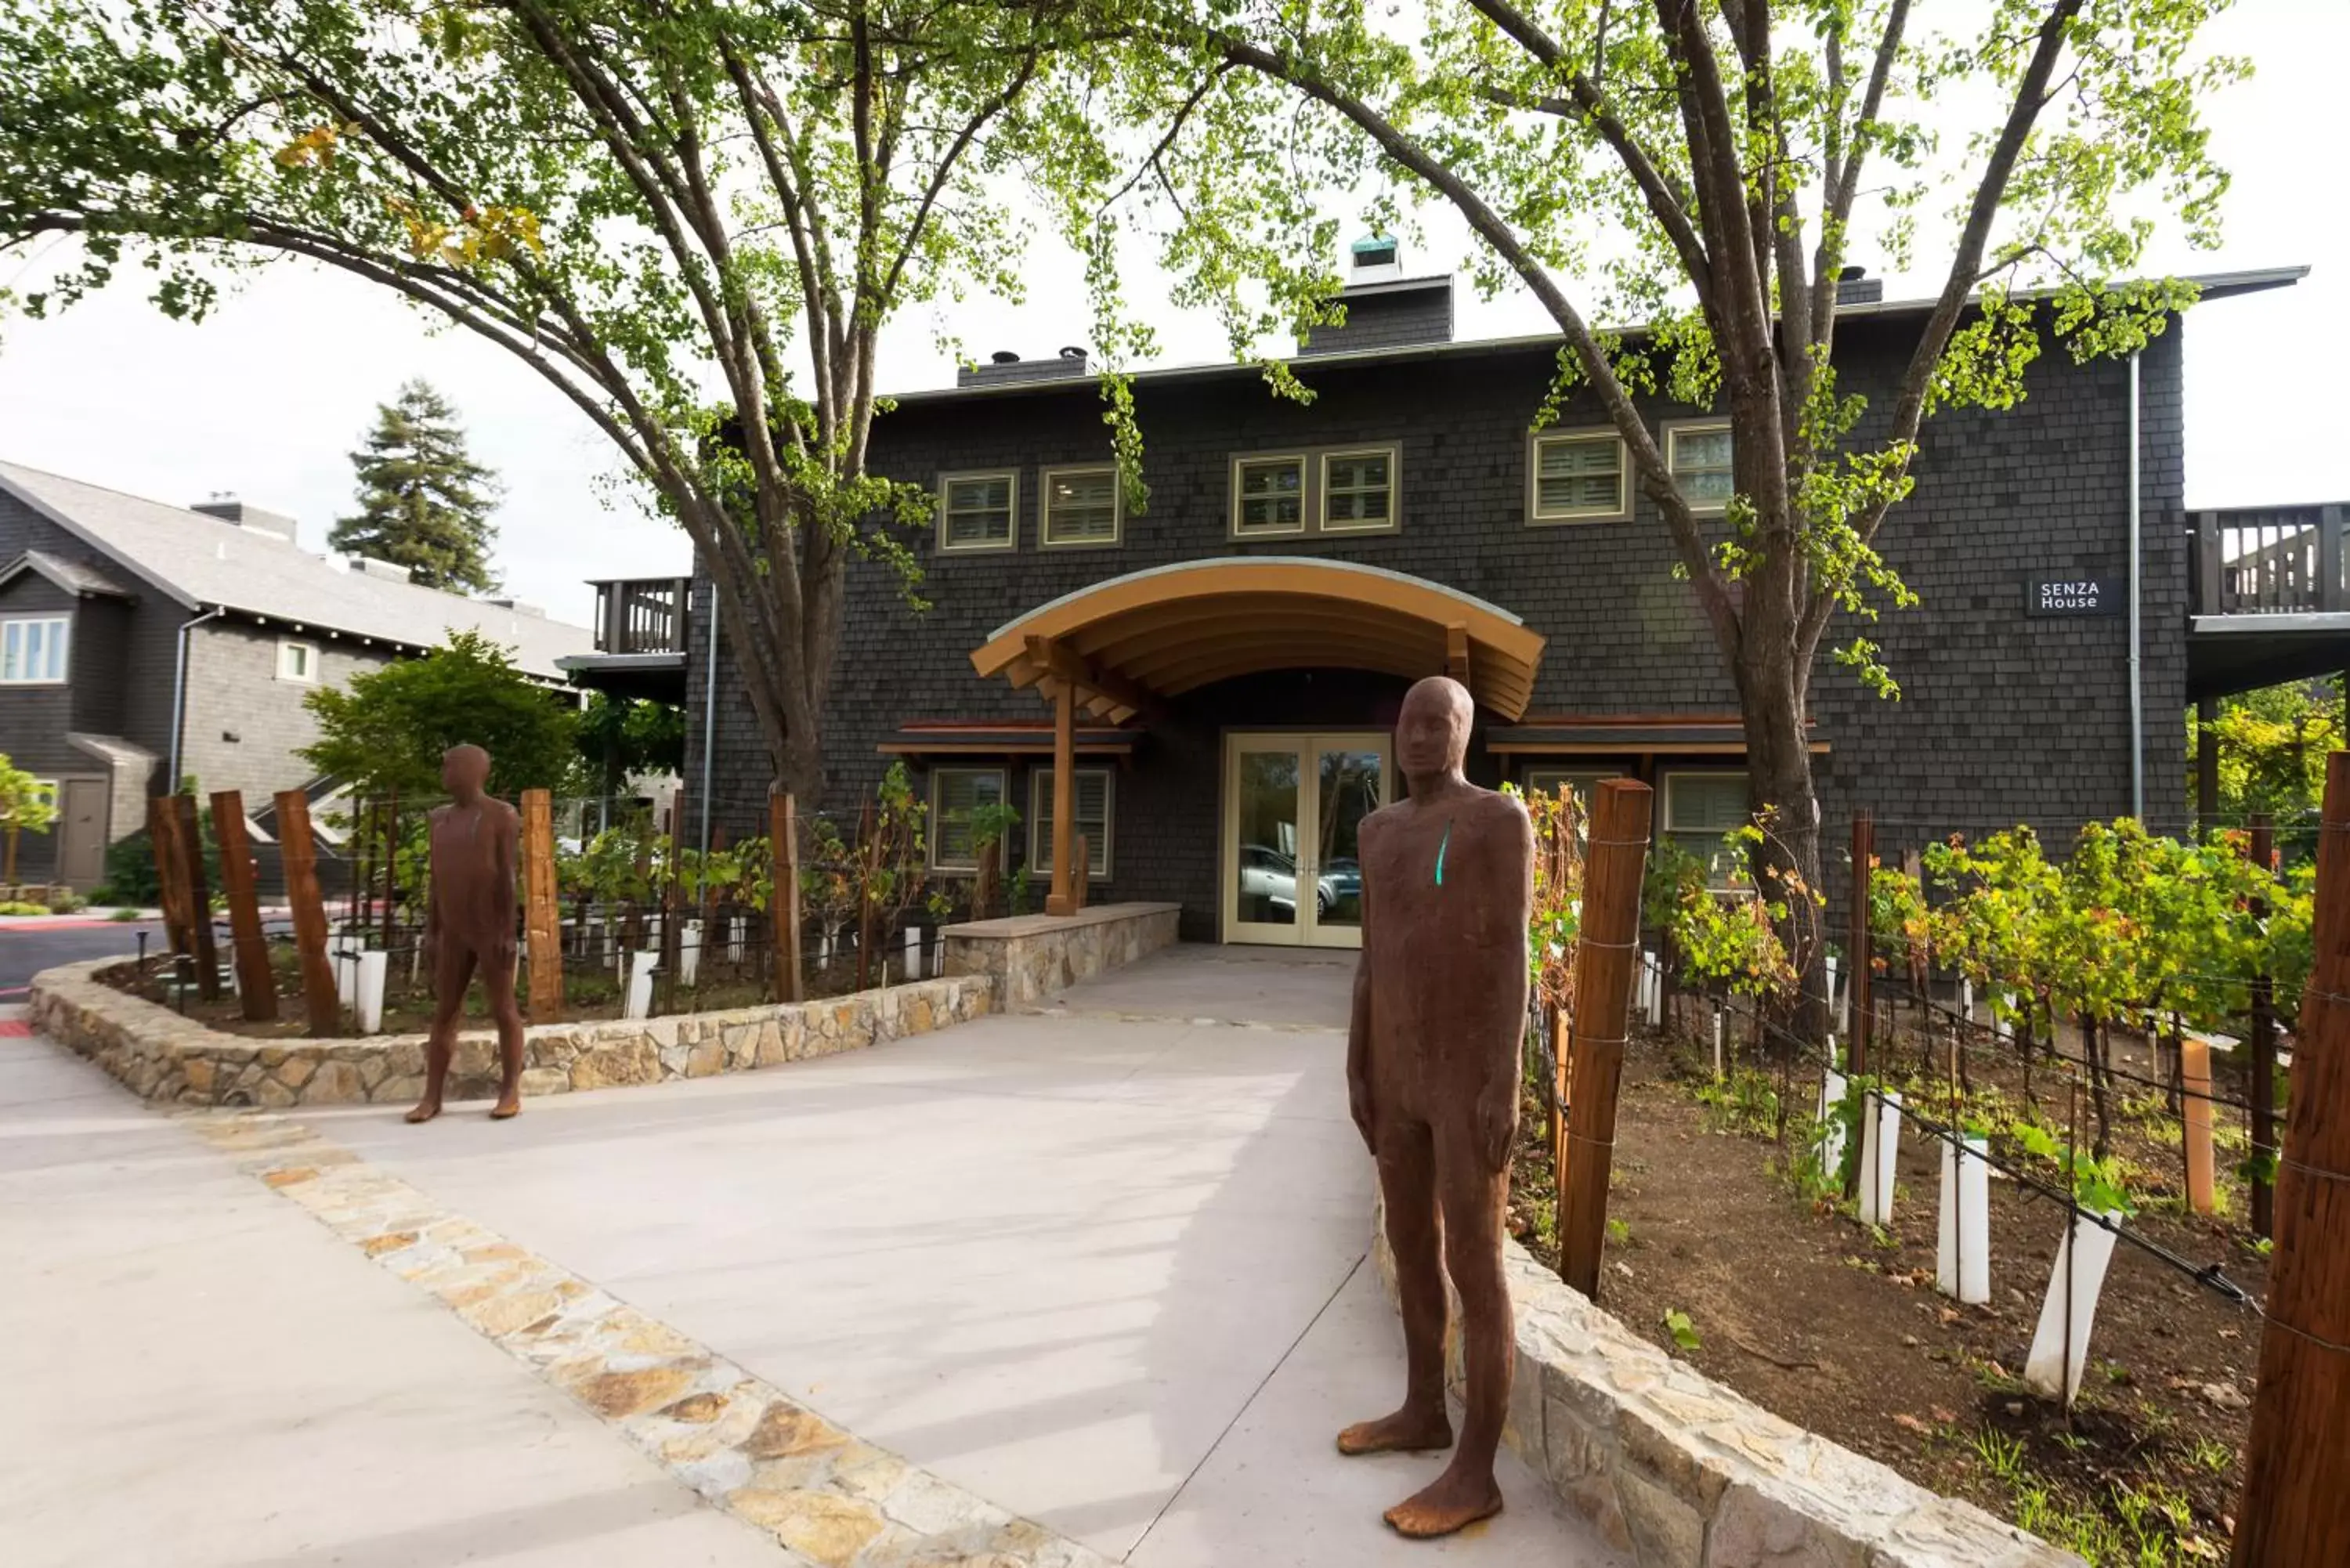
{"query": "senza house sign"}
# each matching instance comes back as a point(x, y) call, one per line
point(2085, 593)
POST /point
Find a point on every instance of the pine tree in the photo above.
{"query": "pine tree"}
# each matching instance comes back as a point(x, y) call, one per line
point(424, 503)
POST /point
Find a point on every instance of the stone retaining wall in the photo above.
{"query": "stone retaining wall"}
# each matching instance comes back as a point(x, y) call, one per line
point(1029, 957)
point(1680, 1472)
point(160, 1056)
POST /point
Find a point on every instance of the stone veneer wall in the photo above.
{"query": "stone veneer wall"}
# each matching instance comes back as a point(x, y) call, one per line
point(160, 1056)
point(1680, 1472)
point(1031, 956)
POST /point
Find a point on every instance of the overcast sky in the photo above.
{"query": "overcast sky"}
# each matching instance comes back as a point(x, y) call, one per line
point(267, 398)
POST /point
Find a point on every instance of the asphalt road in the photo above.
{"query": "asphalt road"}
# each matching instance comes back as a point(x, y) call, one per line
point(27, 951)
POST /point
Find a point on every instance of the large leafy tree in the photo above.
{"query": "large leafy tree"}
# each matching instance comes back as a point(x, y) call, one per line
point(691, 219)
point(424, 503)
point(387, 729)
point(1707, 168)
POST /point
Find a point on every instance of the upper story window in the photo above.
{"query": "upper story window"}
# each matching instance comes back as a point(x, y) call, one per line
point(33, 652)
point(1698, 451)
point(1322, 490)
point(955, 795)
point(1701, 810)
point(1358, 490)
point(976, 510)
point(1082, 506)
point(1578, 476)
point(298, 661)
point(1269, 495)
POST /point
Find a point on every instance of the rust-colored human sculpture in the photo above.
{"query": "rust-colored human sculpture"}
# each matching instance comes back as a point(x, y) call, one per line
point(469, 924)
point(1433, 1080)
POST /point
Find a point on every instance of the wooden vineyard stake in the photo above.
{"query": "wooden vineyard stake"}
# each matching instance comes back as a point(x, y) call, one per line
point(2295, 1511)
point(256, 987)
point(2195, 1116)
point(2264, 1046)
point(320, 1005)
point(1562, 1083)
point(164, 838)
point(542, 908)
point(1604, 953)
point(199, 895)
point(783, 898)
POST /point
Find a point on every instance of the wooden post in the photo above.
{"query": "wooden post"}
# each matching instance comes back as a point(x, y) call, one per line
point(2195, 1116)
point(2296, 1505)
point(1863, 853)
point(163, 839)
point(542, 907)
point(784, 899)
point(1080, 873)
point(1064, 795)
point(2263, 1045)
point(199, 896)
point(868, 862)
point(391, 864)
point(1604, 958)
point(319, 1003)
point(2207, 767)
point(256, 987)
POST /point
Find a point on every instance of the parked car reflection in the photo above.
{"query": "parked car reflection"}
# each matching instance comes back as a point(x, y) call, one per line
point(1268, 886)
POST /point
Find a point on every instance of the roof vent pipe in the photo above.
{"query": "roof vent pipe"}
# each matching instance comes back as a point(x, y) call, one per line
point(1004, 357)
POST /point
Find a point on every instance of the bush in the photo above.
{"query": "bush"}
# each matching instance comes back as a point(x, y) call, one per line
point(18, 907)
point(104, 894)
point(124, 916)
point(131, 870)
point(65, 901)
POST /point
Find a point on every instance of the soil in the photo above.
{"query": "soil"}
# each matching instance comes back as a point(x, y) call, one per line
point(591, 992)
point(1806, 1312)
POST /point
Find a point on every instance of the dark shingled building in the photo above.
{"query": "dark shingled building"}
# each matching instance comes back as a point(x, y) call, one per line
point(1239, 649)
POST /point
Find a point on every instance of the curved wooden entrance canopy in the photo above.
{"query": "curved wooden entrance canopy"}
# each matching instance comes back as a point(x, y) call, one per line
point(1123, 644)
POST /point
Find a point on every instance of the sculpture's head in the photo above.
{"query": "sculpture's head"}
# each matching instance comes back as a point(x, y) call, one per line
point(464, 770)
point(1432, 734)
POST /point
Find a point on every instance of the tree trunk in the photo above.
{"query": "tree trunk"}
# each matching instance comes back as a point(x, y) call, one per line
point(1779, 782)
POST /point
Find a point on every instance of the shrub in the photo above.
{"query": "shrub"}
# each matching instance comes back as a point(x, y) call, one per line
point(65, 901)
point(18, 907)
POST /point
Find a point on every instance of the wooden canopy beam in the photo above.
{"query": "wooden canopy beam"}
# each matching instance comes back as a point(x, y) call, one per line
point(1065, 666)
point(1456, 651)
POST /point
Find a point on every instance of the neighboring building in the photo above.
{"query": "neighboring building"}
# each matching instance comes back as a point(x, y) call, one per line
point(1243, 645)
point(140, 642)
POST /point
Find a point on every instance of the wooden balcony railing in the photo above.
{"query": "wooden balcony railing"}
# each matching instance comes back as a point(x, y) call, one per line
point(642, 614)
point(2268, 560)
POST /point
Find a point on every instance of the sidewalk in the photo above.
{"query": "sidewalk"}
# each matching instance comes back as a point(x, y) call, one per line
point(199, 1375)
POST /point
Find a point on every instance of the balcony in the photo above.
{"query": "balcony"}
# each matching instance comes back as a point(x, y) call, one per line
point(642, 614)
point(2270, 601)
point(641, 626)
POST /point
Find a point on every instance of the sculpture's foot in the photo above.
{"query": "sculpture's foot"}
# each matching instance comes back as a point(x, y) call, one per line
point(1452, 1501)
point(509, 1105)
point(426, 1109)
point(1404, 1432)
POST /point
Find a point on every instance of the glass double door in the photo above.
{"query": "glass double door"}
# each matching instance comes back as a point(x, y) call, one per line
point(1293, 807)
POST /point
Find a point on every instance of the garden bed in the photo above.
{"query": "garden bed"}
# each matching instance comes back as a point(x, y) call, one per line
point(1792, 1302)
point(592, 992)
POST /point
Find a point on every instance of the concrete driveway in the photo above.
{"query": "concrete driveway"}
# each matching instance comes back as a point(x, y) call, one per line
point(1102, 1265)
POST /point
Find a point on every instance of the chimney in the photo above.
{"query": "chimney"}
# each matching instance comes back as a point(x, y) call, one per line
point(369, 566)
point(229, 509)
point(1854, 287)
point(1385, 309)
point(1004, 367)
